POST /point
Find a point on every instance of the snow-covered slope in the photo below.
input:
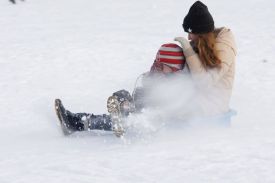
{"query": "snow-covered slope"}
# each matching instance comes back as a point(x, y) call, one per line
point(82, 51)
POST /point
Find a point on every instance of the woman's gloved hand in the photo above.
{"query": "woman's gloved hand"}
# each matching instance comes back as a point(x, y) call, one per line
point(185, 44)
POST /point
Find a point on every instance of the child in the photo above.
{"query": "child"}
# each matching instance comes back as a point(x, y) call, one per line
point(169, 60)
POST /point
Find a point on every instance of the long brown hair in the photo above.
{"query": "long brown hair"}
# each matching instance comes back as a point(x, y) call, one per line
point(207, 50)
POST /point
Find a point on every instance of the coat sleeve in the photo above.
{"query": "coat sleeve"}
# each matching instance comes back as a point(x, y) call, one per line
point(209, 77)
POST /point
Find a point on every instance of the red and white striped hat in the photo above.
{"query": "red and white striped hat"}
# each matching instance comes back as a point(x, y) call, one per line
point(172, 55)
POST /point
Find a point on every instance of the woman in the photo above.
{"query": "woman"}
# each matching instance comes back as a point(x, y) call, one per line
point(210, 56)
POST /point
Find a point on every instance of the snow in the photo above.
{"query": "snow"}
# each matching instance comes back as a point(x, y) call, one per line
point(82, 51)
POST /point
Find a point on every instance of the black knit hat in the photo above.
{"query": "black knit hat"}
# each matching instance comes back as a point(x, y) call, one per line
point(198, 20)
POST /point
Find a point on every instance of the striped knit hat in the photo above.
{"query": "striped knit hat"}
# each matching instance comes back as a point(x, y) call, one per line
point(172, 55)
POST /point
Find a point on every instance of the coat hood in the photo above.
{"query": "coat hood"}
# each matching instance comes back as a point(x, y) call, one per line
point(225, 36)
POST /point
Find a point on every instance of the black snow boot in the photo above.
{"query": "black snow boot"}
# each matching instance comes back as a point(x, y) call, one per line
point(69, 123)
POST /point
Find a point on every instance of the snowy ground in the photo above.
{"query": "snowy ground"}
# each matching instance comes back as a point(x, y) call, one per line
point(82, 51)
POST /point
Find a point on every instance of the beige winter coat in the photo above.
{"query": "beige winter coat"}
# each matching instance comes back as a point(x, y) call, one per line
point(214, 86)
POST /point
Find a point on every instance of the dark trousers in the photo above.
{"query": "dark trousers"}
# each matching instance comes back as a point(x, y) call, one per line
point(86, 121)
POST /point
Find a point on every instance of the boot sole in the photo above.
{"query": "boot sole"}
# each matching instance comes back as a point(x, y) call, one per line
point(113, 107)
point(59, 113)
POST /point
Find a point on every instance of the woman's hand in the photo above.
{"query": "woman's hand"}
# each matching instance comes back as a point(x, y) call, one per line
point(185, 44)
